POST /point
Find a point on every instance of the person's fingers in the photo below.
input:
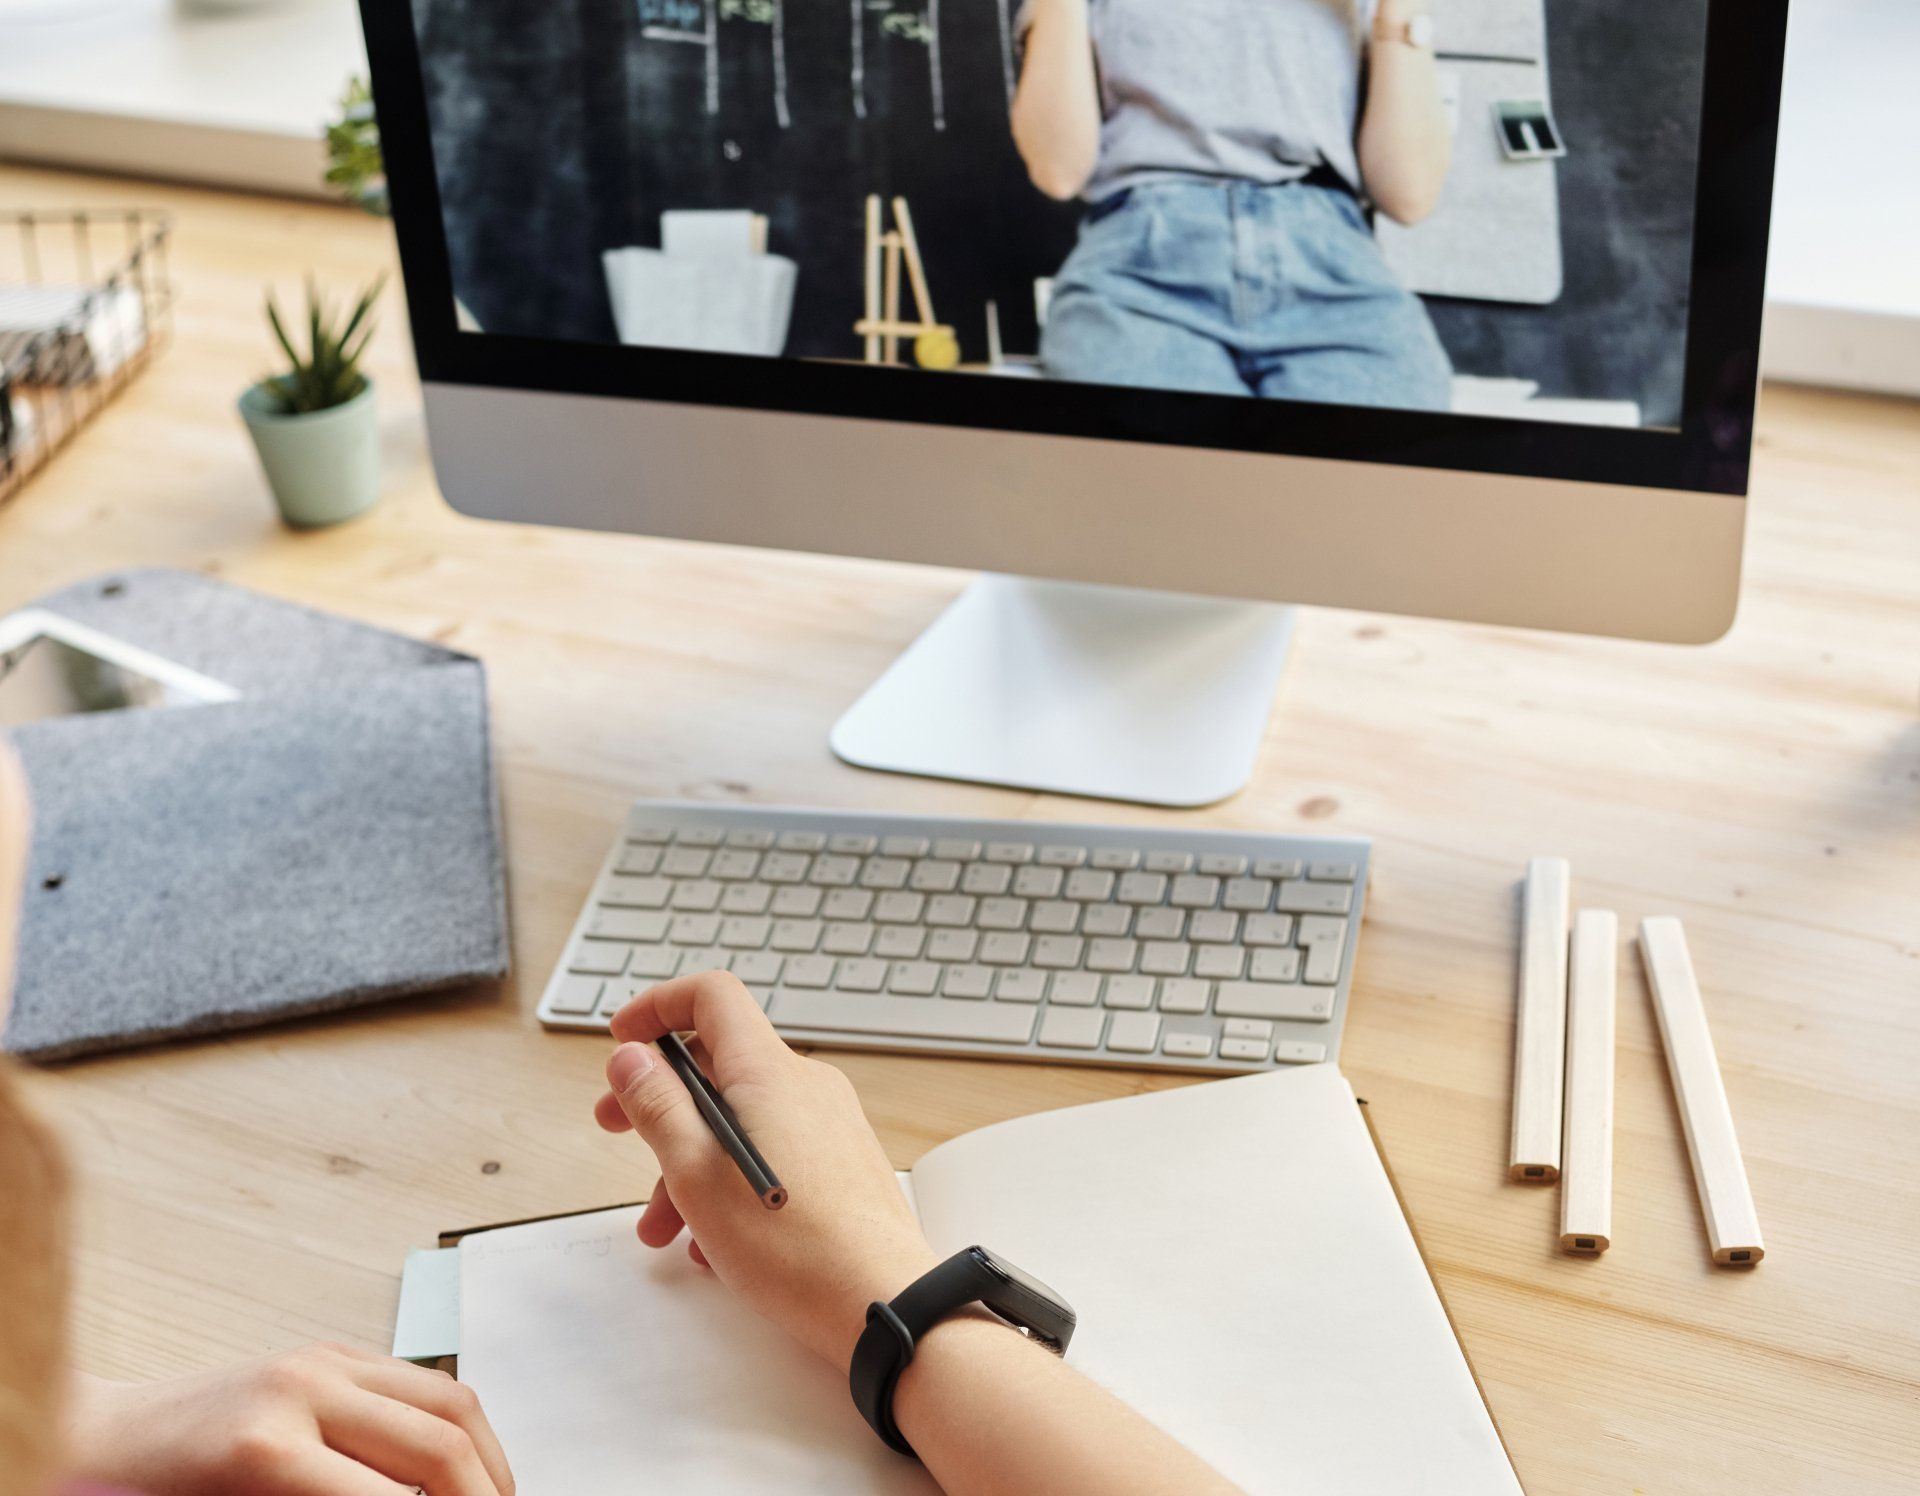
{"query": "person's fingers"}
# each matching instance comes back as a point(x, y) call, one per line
point(606, 1111)
point(661, 1221)
point(658, 1106)
point(439, 1394)
point(406, 1443)
point(713, 1004)
point(693, 1251)
point(303, 1468)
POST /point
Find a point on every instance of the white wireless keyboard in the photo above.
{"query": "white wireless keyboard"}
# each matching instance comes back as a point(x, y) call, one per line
point(1208, 951)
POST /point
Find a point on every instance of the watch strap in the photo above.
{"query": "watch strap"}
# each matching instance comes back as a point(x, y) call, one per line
point(886, 1346)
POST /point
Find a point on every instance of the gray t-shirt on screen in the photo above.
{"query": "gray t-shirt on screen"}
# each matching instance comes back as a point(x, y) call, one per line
point(1250, 90)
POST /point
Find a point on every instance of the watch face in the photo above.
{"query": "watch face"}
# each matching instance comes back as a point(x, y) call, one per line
point(1014, 1276)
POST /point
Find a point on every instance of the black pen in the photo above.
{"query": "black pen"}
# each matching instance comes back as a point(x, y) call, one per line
point(726, 1127)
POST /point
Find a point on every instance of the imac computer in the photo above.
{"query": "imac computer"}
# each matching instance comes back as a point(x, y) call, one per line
point(1163, 315)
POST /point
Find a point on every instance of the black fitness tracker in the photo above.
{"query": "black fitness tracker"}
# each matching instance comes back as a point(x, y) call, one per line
point(974, 1276)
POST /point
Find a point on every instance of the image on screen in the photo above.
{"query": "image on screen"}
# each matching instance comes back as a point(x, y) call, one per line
point(1482, 207)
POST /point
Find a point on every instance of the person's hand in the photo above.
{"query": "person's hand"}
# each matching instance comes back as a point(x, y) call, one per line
point(846, 1235)
point(322, 1421)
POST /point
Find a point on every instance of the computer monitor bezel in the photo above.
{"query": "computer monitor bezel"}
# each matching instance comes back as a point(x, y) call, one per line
point(1744, 47)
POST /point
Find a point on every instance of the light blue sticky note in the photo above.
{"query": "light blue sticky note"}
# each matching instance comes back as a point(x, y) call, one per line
point(427, 1325)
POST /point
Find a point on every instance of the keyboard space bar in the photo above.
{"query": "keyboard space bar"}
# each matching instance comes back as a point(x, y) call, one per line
point(903, 1017)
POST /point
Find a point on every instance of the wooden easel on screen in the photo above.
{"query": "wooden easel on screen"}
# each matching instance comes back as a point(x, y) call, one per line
point(934, 344)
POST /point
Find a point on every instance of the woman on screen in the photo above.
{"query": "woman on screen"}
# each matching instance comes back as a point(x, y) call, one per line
point(1227, 150)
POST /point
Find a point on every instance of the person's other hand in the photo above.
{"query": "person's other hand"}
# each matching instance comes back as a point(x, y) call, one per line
point(846, 1235)
point(322, 1421)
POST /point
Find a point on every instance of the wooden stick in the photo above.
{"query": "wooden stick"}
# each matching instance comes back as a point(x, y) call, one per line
point(892, 341)
point(900, 329)
point(872, 277)
point(921, 295)
point(1540, 1029)
point(1733, 1227)
point(1586, 1181)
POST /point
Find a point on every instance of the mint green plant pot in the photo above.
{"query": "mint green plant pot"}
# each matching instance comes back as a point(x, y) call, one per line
point(323, 466)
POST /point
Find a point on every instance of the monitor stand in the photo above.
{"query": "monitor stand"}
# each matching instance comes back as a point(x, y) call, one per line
point(1078, 690)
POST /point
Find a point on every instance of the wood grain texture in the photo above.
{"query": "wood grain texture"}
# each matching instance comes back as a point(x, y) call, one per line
point(251, 1192)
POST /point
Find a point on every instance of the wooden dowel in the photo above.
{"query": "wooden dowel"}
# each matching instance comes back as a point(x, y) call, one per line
point(1540, 1027)
point(873, 274)
point(915, 269)
point(892, 342)
point(1586, 1161)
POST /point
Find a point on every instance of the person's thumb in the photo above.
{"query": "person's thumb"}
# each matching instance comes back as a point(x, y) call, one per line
point(656, 1102)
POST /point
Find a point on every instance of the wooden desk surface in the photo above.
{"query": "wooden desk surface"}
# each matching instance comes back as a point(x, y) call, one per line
point(254, 1192)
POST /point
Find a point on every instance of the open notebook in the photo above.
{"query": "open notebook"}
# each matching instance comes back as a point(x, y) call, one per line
point(1241, 1267)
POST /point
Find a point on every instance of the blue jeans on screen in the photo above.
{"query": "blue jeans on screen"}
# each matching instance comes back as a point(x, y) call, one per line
point(1240, 288)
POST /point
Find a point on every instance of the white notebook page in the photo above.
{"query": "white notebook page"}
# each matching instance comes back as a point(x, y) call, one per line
point(1243, 1275)
point(610, 1369)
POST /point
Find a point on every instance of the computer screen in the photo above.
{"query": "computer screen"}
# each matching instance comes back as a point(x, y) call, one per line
point(1285, 215)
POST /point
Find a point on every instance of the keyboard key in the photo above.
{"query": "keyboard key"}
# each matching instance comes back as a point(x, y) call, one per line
point(905, 846)
point(1275, 966)
point(694, 929)
point(1166, 958)
point(1115, 859)
point(913, 978)
point(1268, 929)
point(1324, 941)
point(1214, 927)
point(1160, 924)
point(1056, 917)
point(745, 933)
point(801, 841)
point(1272, 1000)
point(1065, 1028)
point(784, 867)
point(637, 893)
point(653, 964)
point(1278, 867)
point(853, 844)
point(1129, 992)
point(698, 836)
point(904, 1018)
point(1243, 1049)
point(861, 976)
point(700, 896)
point(885, 873)
point(657, 836)
point(899, 908)
point(934, 877)
point(1058, 952)
point(1105, 919)
point(797, 934)
point(808, 971)
point(834, 872)
point(1194, 891)
point(1184, 995)
point(953, 849)
point(1133, 1033)
point(1314, 898)
point(1142, 888)
point(1074, 989)
point(1017, 986)
point(1089, 886)
point(577, 995)
point(705, 958)
point(750, 841)
point(900, 942)
point(1334, 872)
point(1168, 862)
point(846, 903)
point(797, 903)
point(1112, 955)
point(1001, 914)
point(1223, 864)
point(759, 968)
point(967, 982)
point(1248, 895)
point(1005, 949)
point(986, 878)
point(685, 862)
point(628, 924)
point(1299, 1052)
point(745, 898)
point(1246, 1028)
point(951, 909)
point(599, 958)
point(638, 860)
point(732, 866)
point(843, 939)
point(1220, 962)
point(1038, 882)
point(952, 945)
point(1062, 856)
point(1015, 853)
point(1186, 1046)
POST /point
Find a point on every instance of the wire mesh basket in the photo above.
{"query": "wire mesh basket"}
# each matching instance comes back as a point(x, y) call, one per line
point(85, 304)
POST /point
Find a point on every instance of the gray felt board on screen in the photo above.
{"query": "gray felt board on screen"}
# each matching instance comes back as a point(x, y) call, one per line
point(329, 839)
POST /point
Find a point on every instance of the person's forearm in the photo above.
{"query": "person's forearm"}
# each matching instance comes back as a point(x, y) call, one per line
point(1404, 145)
point(988, 1411)
point(1056, 109)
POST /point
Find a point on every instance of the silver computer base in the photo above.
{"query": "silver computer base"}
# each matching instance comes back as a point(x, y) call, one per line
point(1078, 690)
